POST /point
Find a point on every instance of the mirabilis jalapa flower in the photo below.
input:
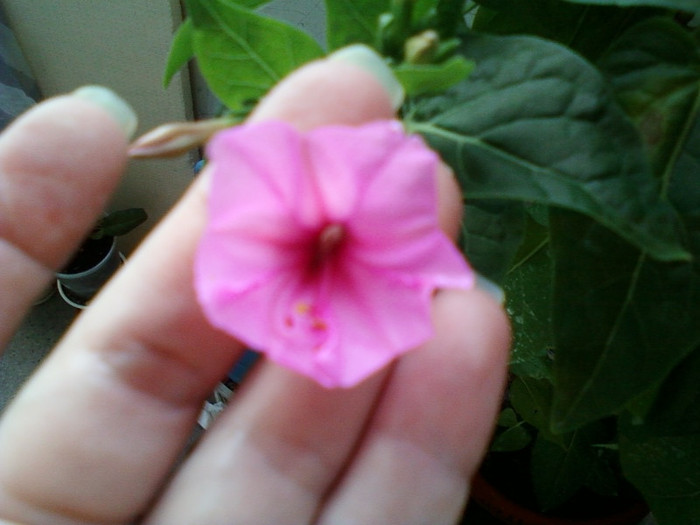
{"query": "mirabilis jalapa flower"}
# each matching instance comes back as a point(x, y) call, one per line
point(323, 249)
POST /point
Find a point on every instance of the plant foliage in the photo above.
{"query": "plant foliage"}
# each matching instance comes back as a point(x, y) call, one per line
point(573, 128)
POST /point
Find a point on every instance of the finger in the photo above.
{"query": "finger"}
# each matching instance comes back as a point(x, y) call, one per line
point(285, 439)
point(126, 392)
point(429, 433)
point(58, 165)
point(450, 205)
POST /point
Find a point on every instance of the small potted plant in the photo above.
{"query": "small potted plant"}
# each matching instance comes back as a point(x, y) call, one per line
point(98, 257)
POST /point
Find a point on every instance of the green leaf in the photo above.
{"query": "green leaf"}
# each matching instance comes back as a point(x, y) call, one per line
point(587, 29)
point(423, 10)
point(507, 418)
point(243, 54)
point(250, 4)
point(492, 231)
point(622, 321)
point(665, 469)
point(420, 79)
point(120, 222)
point(558, 472)
point(602, 478)
point(532, 400)
point(655, 71)
point(676, 409)
point(660, 456)
point(515, 438)
point(528, 288)
point(687, 5)
point(180, 51)
point(493, 128)
point(353, 21)
point(449, 17)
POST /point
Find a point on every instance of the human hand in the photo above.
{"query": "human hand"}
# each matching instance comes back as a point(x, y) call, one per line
point(95, 435)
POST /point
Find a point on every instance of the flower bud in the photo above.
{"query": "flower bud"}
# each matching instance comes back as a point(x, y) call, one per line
point(176, 138)
point(421, 48)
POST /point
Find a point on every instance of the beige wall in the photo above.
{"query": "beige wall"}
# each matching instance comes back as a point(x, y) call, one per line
point(122, 44)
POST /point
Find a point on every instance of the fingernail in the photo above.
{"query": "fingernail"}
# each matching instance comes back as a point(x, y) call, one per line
point(491, 288)
point(108, 100)
point(369, 60)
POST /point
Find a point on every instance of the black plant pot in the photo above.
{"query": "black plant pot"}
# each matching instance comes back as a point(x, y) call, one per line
point(89, 269)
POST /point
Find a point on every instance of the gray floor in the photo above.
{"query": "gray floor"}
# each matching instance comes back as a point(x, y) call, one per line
point(41, 329)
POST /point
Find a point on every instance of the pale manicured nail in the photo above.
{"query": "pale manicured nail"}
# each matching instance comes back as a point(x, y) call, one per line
point(108, 100)
point(369, 60)
point(491, 288)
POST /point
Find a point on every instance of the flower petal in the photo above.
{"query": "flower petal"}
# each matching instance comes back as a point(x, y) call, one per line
point(345, 160)
point(395, 221)
point(323, 250)
point(261, 170)
point(254, 227)
point(376, 318)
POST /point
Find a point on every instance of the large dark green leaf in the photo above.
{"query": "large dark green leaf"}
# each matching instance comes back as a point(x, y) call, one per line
point(660, 455)
point(353, 21)
point(535, 122)
point(586, 29)
point(528, 288)
point(665, 469)
point(242, 54)
point(676, 409)
point(560, 470)
point(688, 5)
point(492, 232)
point(532, 400)
point(623, 321)
point(655, 71)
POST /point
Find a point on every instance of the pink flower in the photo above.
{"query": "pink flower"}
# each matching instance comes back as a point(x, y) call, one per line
point(323, 249)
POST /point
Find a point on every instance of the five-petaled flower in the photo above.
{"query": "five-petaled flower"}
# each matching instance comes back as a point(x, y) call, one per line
point(323, 249)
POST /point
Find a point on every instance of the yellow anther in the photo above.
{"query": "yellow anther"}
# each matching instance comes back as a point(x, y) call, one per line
point(302, 308)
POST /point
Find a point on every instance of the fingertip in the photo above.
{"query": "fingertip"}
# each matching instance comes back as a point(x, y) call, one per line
point(59, 163)
point(117, 108)
point(475, 316)
point(369, 60)
point(327, 91)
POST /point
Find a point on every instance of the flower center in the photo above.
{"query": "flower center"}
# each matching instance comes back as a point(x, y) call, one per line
point(329, 239)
